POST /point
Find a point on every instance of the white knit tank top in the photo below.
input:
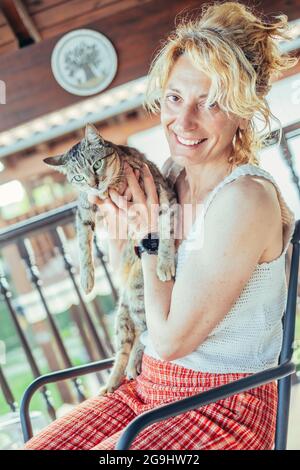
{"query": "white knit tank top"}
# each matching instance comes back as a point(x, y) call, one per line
point(249, 337)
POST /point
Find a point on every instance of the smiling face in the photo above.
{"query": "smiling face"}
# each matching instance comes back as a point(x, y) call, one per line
point(195, 133)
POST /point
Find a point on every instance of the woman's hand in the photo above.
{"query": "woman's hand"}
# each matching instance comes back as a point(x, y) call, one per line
point(114, 220)
point(142, 212)
point(134, 213)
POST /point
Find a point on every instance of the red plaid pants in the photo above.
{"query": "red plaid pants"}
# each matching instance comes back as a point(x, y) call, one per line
point(245, 421)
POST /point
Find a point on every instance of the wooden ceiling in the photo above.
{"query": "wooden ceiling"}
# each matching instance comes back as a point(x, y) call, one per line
point(29, 29)
point(27, 21)
point(23, 22)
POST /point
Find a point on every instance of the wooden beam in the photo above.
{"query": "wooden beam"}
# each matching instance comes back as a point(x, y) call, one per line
point(13, 19)
point(8, 39)
point(27, 20)
point(71, 14)
point(54, 17)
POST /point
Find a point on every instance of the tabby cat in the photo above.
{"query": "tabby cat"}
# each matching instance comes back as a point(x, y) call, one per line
point(95, 165)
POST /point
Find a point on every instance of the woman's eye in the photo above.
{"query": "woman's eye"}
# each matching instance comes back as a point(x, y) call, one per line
point(98, 165)
point(172, 98)
point(212, 105)
point(78, 178)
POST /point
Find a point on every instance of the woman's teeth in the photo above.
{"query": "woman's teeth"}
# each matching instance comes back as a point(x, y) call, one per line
point(189, 142)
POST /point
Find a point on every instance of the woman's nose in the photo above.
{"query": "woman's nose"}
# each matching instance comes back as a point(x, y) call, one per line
point(186, 120)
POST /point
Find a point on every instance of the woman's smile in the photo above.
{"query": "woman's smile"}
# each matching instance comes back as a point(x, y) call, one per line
point(189, 143)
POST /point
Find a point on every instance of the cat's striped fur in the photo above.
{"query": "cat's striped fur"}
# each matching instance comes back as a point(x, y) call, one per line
point(95, 165)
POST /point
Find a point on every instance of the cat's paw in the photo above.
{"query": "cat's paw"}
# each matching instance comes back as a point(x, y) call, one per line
point(87, 282)
point(106, 389)
point(132, 371)
point(134, 368)
point(165, 269)
point(138, 367)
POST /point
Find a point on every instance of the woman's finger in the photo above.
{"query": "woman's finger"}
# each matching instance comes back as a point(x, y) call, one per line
point(149, 185)
point(103, 204)
point(128, 194)
point(137, 174)
point(118, 200)
point(137, 193)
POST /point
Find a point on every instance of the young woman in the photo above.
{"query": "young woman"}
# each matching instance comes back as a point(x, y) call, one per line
point(220, 320)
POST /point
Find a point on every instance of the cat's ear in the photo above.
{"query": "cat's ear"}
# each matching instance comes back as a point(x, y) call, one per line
point(92, 135)
point(57, 162)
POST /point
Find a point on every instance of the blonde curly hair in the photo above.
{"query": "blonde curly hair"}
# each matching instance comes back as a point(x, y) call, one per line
point(239, 52)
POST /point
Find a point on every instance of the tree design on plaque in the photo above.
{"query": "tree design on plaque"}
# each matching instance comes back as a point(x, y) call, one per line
point(85, 58)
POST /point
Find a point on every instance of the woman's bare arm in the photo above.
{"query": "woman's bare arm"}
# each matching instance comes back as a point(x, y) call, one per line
point(238, 227)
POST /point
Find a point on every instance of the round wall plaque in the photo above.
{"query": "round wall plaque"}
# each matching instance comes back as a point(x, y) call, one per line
point(84, 62)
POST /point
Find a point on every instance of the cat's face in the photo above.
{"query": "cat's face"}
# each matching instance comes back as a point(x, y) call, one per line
point(92, 165)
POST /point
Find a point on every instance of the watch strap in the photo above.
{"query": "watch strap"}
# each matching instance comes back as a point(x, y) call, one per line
point(148, 244)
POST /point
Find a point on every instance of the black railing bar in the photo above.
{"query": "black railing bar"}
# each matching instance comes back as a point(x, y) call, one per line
point(4, 289)
point(61, 215)
point(53, 377)
point(284, 385)
point(100, 316)
point(44, 222)
point(75, 313)
point(289, 320)
point(27, 255)
point(8, 395)
point(60, 242)
point(201, 399)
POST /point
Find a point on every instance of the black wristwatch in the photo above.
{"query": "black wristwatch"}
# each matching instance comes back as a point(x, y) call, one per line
point(149, 244)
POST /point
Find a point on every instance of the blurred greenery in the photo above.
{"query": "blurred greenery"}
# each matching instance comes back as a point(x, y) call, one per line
point(8, 332)
point(42, 195)
point(16, 209)
point(46, 193)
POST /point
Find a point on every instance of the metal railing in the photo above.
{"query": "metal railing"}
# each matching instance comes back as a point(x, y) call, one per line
point(87, 316)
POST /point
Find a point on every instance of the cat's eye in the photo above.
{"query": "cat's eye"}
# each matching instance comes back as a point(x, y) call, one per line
point(78, 178)
point(98, 165)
